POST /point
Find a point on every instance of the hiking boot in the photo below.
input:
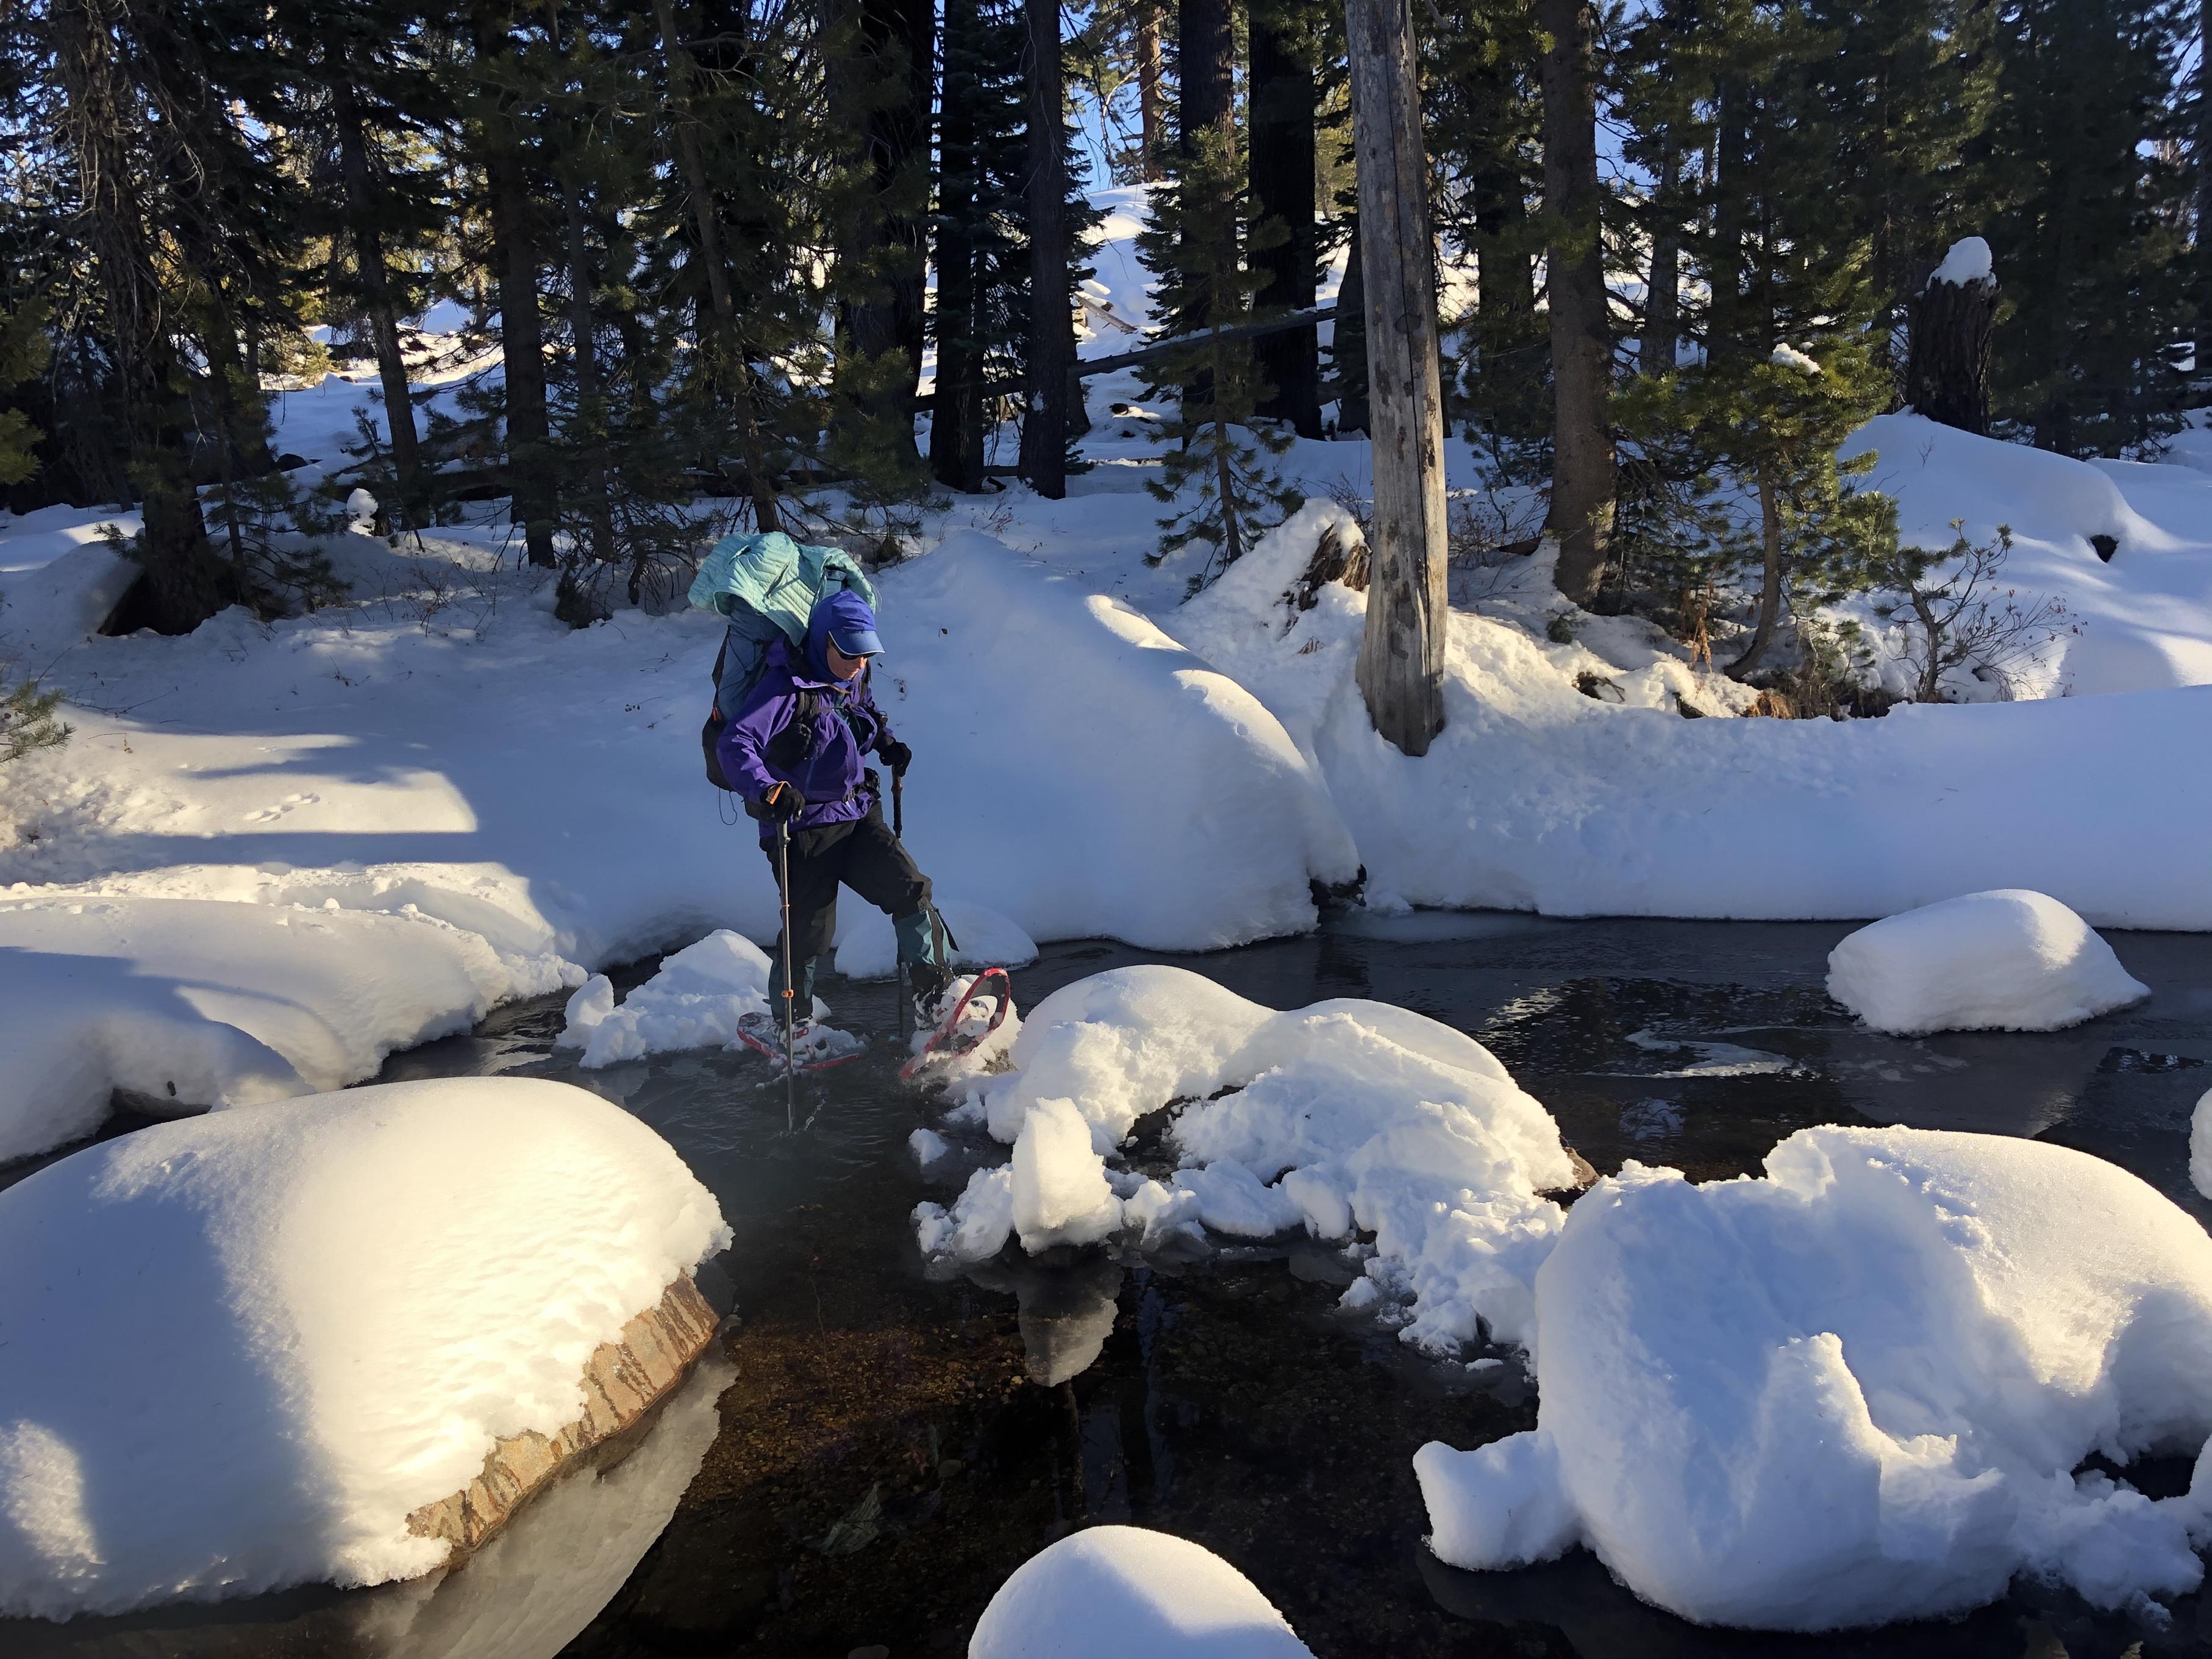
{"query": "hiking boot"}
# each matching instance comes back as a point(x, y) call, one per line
point(926, 986)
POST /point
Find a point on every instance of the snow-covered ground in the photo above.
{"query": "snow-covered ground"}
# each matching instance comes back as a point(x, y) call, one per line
point(242, 1349)
point(1858, 1389)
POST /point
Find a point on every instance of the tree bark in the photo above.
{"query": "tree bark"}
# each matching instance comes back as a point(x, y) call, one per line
point(1770, 590)
point(2204, 363)
point(1582, 468)
point(1947, 375)
point(1402, 651)
point(728, 347)
point(1281, 118)
point(591, 396)
point(1151, 102)
point(521, 332)
point(1051, 317)
point(1348, 346)
point(375, 278)
point(956, 422)
point(1662, 303)
point(1729, 159)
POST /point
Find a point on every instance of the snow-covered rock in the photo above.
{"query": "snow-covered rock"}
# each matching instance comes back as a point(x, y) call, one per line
point(2200, 1145)
point(1113, 1592)
point(1856, 1390)
point(868, 948)
point(265, 1347)
point(2008, 961)
point(1346, 1115)
point(188, 1003)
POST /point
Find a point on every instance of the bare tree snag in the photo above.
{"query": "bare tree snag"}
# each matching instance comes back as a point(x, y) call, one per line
point(1401, 653)
point(1947, 377)
point(1582, 466)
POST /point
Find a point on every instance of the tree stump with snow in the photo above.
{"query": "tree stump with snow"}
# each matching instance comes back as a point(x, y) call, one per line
point(1947, 377)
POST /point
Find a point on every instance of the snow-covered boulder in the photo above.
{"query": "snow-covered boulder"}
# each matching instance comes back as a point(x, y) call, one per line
point(868, 948)
point(1347, 1115)
point(278, 1344)
point(693, 1001)
point(189, 1002)
point(2008, 961)
point(1856, 1390)
point(1112, 1592)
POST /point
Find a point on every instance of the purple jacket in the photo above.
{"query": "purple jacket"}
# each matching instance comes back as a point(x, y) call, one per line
point(846, 729)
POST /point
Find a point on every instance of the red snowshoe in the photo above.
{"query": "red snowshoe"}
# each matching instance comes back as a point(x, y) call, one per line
point(957, 1032)
point(813, 1048)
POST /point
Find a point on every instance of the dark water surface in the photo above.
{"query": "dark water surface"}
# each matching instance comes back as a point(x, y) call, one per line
point(891, 1447)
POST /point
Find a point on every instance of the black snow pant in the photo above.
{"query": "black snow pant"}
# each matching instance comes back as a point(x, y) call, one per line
point(862, 855)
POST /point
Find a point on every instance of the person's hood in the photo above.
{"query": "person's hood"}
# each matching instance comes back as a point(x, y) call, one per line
point(845, 614)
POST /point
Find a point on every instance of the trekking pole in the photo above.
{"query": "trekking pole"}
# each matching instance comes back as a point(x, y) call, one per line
point(898, 804)
point(783, 884)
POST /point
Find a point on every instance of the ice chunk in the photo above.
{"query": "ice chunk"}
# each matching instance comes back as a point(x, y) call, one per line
point(2009, 960)
point(1059, 1193)
point(351, 1296)
point(928, 1146)
point(1111, 1592)
point(978, 1224)
point(1856, 1390)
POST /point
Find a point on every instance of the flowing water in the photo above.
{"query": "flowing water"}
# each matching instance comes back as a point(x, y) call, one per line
point(892, 1445)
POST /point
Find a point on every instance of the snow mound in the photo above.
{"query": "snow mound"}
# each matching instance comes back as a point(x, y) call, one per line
point(868, 948)
point(1063, 731)
point(2003, 961)
point(1110, 1592)
point(1857, 1389)
point(1968, 261)
point(693, 1001)
point(59, 581)
point(245, 1347)
point(1347, 1115)
point(190, 1003)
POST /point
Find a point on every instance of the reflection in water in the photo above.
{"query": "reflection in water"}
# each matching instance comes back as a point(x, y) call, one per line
point(524, 1596)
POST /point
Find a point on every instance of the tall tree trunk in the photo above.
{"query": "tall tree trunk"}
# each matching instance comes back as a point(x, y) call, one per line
point(1052, 318)
point(2204, 366)
point(521, 332)
point(727, 348)
point(1282, 116)
point(1770, 590)
point(1947, 375)
point(1152, 98)
point(1402, 651)
point(1662, 303)
point(1509, 340)
point(898, 50)
point(1583, 470)
point(590, 392)
point(955, 421)
point(1728, 165)
point(1348, 345)
point(182, 579)
point(375, 278)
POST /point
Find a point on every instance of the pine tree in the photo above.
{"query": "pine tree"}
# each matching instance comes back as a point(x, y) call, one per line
point(1216, 479)
point(1287, 40)
point(2089, 246)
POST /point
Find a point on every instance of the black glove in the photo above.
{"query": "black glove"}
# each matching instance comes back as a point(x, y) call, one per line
point(897, 754)
point(782, 803)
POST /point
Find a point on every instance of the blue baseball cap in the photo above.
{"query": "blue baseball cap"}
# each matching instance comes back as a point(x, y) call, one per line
point(850, 625)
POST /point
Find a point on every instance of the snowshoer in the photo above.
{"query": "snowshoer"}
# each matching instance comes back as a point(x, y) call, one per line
point(796, 750)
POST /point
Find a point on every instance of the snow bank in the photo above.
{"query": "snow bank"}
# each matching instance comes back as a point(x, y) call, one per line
point(1537, 797)
point(1109, 1592)
point(1855, 1390)
point(190, 1003)
point(59, 581)
point(868, 948)
point(245, 1347)
point(2006, 961)
point(1058, 735)
point(1347, 1115)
